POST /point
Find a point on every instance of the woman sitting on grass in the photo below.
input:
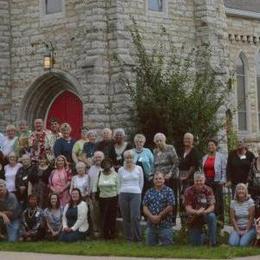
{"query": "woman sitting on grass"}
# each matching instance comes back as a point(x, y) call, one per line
point(53, 217)
point(242, 212)
point(74, 220)
point(32, 221)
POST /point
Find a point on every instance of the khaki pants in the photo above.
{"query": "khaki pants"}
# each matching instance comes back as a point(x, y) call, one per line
point(95, 215)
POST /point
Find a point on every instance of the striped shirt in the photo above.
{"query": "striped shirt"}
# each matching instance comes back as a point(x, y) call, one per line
point(242, 211)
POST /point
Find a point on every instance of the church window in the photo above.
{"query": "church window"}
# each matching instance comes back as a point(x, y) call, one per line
point(156, 5)
point(241, 95)
point(53, 6)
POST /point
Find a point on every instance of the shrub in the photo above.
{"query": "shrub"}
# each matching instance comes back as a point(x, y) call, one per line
point(170, 96)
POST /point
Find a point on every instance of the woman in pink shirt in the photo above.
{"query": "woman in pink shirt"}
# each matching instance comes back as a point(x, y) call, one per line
point(60, 179)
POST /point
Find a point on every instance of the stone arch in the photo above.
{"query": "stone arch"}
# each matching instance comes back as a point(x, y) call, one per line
point(43, 91)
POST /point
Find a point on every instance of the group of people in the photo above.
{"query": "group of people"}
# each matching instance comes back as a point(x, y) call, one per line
point(55, 187)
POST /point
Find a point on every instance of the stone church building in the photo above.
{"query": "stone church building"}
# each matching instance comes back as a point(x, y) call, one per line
point(83, 85)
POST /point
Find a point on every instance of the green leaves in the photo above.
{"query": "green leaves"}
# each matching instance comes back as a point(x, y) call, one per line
point(175, 93)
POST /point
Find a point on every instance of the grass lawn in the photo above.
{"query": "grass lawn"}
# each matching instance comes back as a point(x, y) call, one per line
point(121, 248)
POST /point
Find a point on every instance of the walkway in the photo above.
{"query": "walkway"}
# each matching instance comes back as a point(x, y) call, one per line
point(33, 256)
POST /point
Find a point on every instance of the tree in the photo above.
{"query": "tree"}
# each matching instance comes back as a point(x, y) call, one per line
point(170, 96)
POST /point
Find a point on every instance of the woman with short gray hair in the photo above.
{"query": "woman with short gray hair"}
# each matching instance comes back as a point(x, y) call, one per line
point(120, 146)
point(80, 180)
point(165, 158)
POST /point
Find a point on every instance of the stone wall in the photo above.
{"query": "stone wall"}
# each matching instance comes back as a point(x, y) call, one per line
point(5, 91)
point(85, 38)
point(177, 19)
point(79, 39)
point(87, 35)
point(244, 37)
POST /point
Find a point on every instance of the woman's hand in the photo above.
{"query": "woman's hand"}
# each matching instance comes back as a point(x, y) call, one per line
point(242, 232)
point(67, 229)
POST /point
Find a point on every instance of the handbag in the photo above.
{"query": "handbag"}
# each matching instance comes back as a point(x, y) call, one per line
point(97, 193)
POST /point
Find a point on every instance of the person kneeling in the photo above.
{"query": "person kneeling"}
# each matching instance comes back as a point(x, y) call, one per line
point(242, 212)
point(199, 204)
point(158, 204)
point(32, 221)
point(74, 219)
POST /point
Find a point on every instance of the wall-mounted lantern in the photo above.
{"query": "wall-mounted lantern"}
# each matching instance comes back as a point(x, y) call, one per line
point(48, 61)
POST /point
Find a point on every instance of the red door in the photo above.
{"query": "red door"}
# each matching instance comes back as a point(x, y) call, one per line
point(67, 107)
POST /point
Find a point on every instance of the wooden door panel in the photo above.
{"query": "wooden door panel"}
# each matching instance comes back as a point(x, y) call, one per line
point(67, 107)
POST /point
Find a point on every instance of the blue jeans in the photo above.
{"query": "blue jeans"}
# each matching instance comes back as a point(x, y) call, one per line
point(156, 235)
point(12, 230)
point(130, 210)
point(72, 236)
point(196, 235)
point(237, 240)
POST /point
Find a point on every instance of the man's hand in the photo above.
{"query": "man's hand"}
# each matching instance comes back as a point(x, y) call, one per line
point(200, 211)
point(155, 219)
point(5, 218)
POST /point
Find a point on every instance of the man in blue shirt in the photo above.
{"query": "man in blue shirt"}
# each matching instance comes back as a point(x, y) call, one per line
point(158, 204)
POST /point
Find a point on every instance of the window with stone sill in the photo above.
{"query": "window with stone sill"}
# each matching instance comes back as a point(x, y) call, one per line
point(241, 95)
point(53, 6)
point(156, 5)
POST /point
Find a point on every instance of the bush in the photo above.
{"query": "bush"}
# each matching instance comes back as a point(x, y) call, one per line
point(170, 96)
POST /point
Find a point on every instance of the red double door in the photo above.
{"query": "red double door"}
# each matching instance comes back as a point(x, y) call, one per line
point(67, 107)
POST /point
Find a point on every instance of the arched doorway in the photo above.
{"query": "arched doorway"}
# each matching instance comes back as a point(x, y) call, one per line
point(67, 107)
point(50, 94)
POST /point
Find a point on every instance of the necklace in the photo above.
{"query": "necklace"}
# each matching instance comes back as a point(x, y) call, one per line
point(31, 213)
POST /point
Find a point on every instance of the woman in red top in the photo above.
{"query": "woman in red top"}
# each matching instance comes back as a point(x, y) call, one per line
point(214, 168)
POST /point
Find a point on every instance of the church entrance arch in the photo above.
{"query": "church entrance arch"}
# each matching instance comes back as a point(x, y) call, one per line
point(54, 95)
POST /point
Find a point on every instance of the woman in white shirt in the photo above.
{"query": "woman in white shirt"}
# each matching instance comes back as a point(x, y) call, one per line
point(74, 219)
point(10, 172)
point(81, 180)
point(131, 183)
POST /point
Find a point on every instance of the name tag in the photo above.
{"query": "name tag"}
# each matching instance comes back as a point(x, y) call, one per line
point(204, 201)
point(242, 157)
point(37, 214)
point(257, 174)
point(25, 178)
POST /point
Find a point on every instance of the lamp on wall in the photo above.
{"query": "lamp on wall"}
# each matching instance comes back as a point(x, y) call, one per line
point(48, 60)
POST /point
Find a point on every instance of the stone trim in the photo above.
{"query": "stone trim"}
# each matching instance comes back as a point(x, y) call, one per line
point(250, 39)
point(242, 13)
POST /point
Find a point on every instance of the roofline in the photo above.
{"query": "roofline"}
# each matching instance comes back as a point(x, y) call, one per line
point(242, 13)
